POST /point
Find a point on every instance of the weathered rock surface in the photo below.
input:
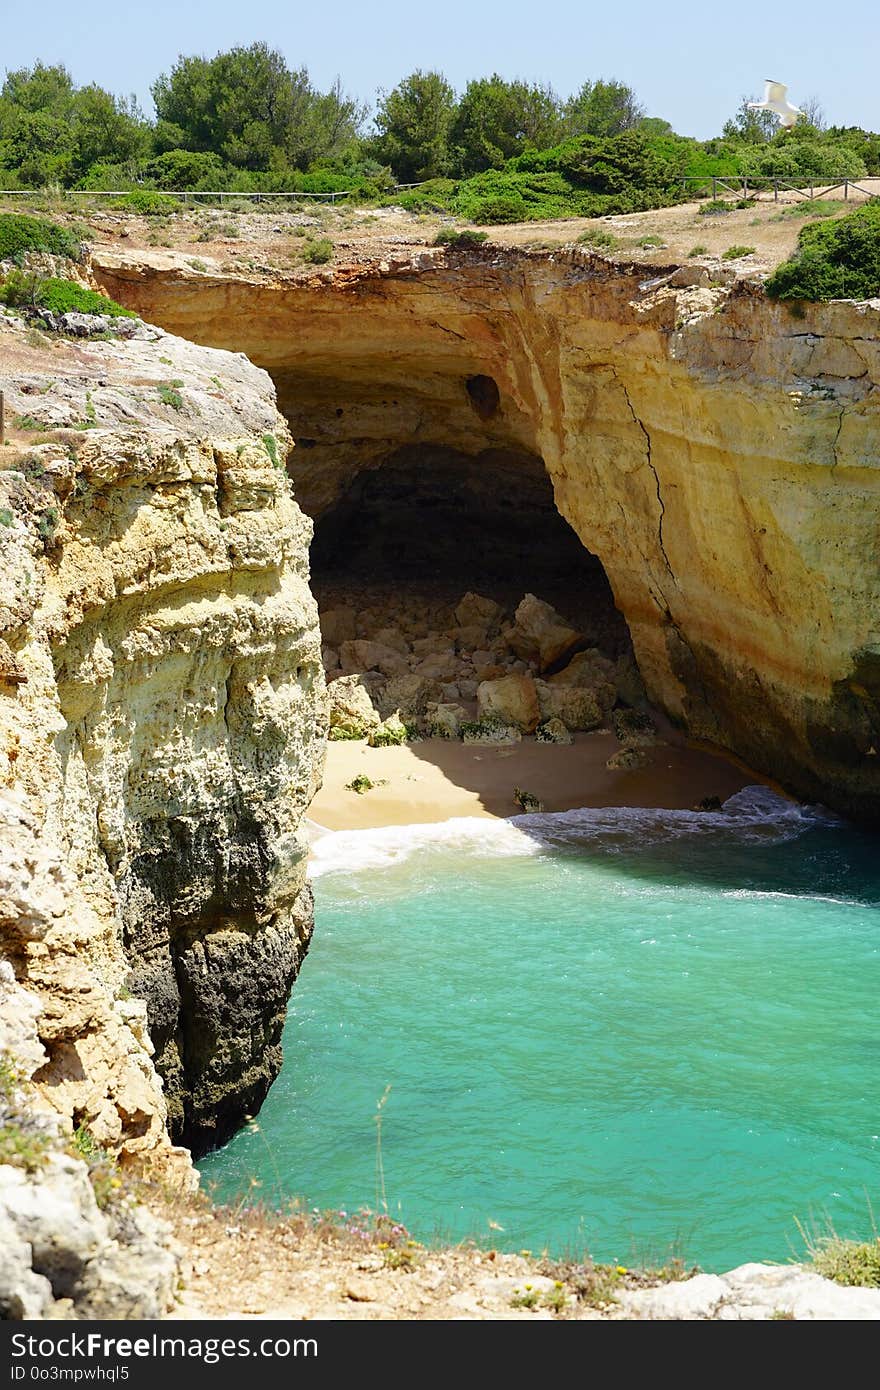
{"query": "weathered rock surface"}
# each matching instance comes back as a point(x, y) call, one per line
point(513, 700)
point(753, 1292)
point(164, 730)
point(722, 465)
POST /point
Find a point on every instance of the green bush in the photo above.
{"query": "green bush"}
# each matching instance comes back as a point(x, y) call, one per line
point(146, 203)
point(833, 260)
point(448, 236)
point(735, 253)
point(20, 234)
point(508, 207)
point(65, 297)
point(318, 252)
point(698, 250)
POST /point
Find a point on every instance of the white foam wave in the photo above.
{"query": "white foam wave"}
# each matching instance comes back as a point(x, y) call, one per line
point(355, 850)
point(754, 814)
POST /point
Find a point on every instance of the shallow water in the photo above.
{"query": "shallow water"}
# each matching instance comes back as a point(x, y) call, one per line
point(617, 1030)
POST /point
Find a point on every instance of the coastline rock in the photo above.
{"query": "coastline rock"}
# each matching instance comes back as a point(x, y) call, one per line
point(577, 708)
point(541, 634)
point(444, 720)
point(473, 610)
point(338, 625)
point(511, 700)
point(553, 731)
point(350, 707)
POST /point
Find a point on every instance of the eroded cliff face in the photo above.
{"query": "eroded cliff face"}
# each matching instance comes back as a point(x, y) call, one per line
point(716, 451)
point(161, 724)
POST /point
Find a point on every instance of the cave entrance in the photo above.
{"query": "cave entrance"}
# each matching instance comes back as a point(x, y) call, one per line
point(433, 523)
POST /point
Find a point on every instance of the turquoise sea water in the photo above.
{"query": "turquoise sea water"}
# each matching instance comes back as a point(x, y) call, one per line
point(615, 1030)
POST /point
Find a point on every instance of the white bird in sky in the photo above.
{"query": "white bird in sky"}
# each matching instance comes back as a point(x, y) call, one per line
point(775, 100)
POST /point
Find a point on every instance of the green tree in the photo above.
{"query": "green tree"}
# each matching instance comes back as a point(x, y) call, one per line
point(753, 127)
point(603, 108)
point(497, 120)
point(107, 128)
point(413, 123)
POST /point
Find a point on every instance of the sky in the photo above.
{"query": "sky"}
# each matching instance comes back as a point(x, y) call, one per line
point(688, 62)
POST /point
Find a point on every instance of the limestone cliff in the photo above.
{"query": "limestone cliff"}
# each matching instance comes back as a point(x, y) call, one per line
point(161, 724)
point(718, 452)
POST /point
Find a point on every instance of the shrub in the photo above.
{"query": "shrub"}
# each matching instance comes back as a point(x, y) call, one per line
point(735, 253)
point(360, 784)
point(318, 252)
point(848, 1261)
point(270, 444)
point(599, 238)
point(448, 236)
point(147, 203)
point(833, 260)
point(508, 207)
point(21, 289)
point(649, 242)
point(716, 207)
point(20, 234)
point(698, 250)
point(65, 297)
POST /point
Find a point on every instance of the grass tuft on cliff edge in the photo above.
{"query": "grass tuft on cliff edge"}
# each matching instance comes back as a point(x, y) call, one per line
point(833, 260)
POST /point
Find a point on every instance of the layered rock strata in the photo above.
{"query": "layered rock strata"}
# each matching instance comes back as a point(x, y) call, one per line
point(161, 725)
point(718, 452)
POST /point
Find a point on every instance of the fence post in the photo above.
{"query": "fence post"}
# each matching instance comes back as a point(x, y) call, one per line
point(846, 190)
point(714, 189)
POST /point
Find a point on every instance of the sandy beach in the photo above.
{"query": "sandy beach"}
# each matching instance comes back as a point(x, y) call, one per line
point(436, 780)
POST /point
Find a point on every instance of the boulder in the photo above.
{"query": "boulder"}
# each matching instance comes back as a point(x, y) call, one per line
point(364, 655)
point(467, 689)
point(490, 731)
point(352, 713)
point(489, 671)
point(394, 638)
point(578, 709)
point(329, 660)
point(444, 720)
point(626, 759)
point(338, 626)
point(450, 692)
point(586, 669)
point(543, 635)
point(474, 609)
point(434, 643)
point(442, 666)
point(511, 700)
point(634, 729)
point(553, 731)
point(390, 732)
point(628, 681)
point(407, 695)
point(470, 638)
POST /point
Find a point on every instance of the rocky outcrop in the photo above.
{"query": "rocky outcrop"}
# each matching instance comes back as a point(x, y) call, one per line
point(716, 451)
point(162, 724)
point(64, 1254)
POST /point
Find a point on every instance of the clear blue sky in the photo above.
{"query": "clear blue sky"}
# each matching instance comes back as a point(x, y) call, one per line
point(688, 62)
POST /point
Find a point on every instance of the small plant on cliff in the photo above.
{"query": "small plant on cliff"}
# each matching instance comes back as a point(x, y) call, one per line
point(271, 446)
point(5, 516)
point(467, 237)
point(318, 252)
point(169, 396)
point(47, 527)
point(853, 1262)
point(736, 253)
point(698, 250)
